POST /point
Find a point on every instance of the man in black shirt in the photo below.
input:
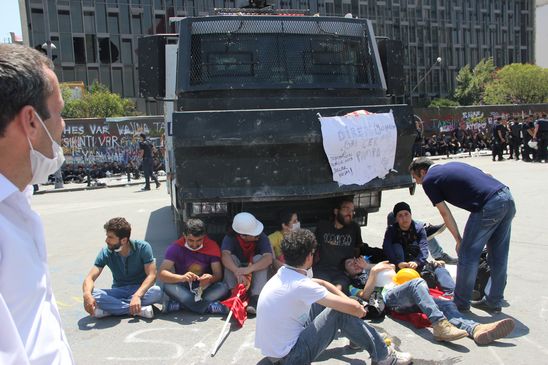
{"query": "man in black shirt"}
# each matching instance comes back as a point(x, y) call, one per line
point(540, 134)
point(337, 240)
point(498, 139)
point(515, 138)
point(146, 154)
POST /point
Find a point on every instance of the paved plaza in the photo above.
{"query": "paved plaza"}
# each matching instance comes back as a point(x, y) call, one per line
point(74, 229)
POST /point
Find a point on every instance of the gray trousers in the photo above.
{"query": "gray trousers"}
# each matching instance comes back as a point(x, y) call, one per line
point(258, 278)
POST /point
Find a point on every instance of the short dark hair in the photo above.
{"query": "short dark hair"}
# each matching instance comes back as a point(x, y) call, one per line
point(297, 245)
point(195, 227)
point(420, 163)
point(143, 136)
point(341, 201)
point(285, 215)
point(23, 82)
point(119, 226)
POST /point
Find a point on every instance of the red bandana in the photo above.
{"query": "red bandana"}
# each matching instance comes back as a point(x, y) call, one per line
point(248, 248)
point(210, 247)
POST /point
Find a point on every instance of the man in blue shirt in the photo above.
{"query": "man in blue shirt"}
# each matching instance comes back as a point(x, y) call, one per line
point(491, 208)
point(133, 271)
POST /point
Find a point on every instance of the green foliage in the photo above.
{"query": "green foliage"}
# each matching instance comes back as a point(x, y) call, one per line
point(471, 83)
point(518, 84)
point(98, 102)
point(443, 102)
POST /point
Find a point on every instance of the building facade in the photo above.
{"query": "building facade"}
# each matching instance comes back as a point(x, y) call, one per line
point(97, 39)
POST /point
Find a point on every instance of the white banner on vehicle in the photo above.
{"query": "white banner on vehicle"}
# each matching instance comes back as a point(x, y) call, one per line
point(360, 146)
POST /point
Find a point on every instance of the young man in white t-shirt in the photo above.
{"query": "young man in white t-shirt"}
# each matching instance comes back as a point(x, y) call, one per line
point(298, 317)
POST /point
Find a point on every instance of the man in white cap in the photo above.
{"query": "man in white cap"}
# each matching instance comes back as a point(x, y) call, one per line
point(247, 252)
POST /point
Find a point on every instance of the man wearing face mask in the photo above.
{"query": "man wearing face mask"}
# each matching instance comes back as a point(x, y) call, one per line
point(30, 133)
point(133, 271)
point(192, 272)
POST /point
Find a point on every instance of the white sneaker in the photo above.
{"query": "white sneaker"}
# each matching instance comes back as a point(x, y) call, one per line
point(99, 313)
point(146, 312)
point(395, 358)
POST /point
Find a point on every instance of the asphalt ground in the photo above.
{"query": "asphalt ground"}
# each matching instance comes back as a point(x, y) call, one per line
point(74, 230)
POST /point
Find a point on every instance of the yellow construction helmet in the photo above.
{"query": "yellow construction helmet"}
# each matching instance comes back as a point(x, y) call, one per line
point(404, 275)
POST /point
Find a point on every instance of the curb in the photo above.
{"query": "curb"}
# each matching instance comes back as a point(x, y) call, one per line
point(81, 188)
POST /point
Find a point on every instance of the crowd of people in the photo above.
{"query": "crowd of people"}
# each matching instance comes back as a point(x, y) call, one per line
point(516, 137)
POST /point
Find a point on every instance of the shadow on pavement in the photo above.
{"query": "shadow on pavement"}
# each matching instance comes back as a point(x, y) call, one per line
point(160, 232)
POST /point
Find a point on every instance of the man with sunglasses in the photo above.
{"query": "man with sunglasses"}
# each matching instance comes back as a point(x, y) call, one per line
point(247, 253)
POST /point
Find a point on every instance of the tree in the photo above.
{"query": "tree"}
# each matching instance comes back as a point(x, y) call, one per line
point(471, 83)
point(443, 102)
point(518, 84)
point(97, 102)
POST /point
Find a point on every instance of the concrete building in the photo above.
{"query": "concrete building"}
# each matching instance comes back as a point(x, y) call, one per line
point(97, 40)
point(541, 33)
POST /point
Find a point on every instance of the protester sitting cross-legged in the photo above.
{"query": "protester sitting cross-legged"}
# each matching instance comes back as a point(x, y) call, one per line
point(413, 296)
point(192, 272)
point(133, 271)
point(405, 246)
point(247, 252)
point(289, 221)
point(298, 316)
point(338, 239)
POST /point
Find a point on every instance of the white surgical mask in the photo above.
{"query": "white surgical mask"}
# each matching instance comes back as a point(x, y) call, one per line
point(296, 226)
point(193, 249)
point(309, 273)
point(41, 165)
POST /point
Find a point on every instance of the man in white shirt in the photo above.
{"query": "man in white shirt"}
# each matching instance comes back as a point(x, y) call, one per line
point(30, 133)
point(298, 317)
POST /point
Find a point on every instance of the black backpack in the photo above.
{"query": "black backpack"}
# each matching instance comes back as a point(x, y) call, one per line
point(484, 273)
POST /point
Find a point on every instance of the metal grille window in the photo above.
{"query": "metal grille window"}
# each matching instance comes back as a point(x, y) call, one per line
point(254, 52)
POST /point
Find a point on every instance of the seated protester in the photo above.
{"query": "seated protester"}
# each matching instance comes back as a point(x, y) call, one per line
point(192, 270)
point(247, 252)
point(337, 240)
point(133, 271)
point(413, 296)
point(405, 246)
point(433, 245)
point(298, 317)
point(289, 221)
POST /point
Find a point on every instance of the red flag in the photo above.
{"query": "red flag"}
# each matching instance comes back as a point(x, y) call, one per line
point(237, 303)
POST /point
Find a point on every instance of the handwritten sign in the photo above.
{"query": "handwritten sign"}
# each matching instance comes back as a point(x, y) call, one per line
point(359, 147)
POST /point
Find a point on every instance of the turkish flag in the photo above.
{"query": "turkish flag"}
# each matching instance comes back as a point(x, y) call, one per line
point(237, 303)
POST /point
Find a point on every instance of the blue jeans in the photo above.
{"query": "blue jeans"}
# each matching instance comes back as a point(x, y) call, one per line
point(258, 278)
point(116, 300)
point(490, 227)
point(412, 297)
point(181, 293)
point(320, 330)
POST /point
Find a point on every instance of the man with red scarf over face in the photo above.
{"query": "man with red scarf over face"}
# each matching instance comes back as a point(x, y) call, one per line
point(192, 272)
point(247, 252)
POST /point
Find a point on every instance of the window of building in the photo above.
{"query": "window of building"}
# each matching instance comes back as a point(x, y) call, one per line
point(101, 15)
point(37, 20)
point(66, 51)
point(104, 50)
point(93, 75)
point(159, 24)
point(113, 24)
point(79, 50)
point(80, 74)
point(76, 11)
point(89, 22)
point(117, 80)
point(68, 74)
point(64, 21)
point(105, 75)
point(129, 85)
point(124, 20)
point(127, 56)
point(91, 48)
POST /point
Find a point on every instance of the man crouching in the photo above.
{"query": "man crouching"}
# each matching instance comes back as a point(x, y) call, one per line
point(298, 317)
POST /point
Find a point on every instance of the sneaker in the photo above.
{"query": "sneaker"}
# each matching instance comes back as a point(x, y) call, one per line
point(145, 189)
point(447, 259)
point(217, 308)
point(146, 312)
point(169, 305)
point(395, 358)
point(99, 313)
point(483, 305)
point(445, 331)
point(486, 333)
point(432, 231)
point(252, 305)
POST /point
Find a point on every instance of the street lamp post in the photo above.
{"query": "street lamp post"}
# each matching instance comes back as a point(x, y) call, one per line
point(438, 61)
point(49, 47)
